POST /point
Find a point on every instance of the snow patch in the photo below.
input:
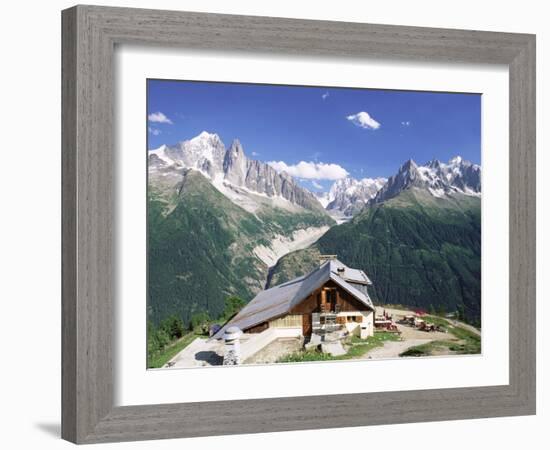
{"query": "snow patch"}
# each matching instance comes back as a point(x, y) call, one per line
point(250, 200)
point(350, 194)
point(471, 193)
point(161, 153)
point(246, 202)
point(339, 216)
point(437, 192)
point(282, 245)
point(324, 199)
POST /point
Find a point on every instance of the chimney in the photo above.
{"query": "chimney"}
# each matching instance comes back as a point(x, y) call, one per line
point(232, 349)
point(324, 258)
point(341, 271)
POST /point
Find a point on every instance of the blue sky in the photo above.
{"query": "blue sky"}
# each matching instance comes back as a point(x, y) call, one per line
point(363, 132)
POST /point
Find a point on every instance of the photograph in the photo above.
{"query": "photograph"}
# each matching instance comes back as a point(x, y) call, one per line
point(302, 224)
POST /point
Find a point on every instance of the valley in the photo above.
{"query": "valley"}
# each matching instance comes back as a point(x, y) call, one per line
point(221, 224)
point(280, 245)
point(419, 251)
point(215, 229)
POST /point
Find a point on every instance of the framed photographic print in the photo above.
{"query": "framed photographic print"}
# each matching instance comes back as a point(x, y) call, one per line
point(258, 210)
point(246, 249)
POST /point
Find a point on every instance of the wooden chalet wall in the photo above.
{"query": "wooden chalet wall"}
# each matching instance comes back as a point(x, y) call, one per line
point(348, 302)
point(344, 300)
point(312, 304)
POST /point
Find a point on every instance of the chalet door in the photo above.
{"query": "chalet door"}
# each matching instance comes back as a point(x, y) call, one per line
point(331, 300)
point(306, 325)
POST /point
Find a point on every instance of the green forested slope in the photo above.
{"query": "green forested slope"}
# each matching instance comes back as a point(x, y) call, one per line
point(200, 247)
point(418, 250)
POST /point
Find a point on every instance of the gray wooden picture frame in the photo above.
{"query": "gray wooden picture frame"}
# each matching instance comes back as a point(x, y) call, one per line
point(90, 34)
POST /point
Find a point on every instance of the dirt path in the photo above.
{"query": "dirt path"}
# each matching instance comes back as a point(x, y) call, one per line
point(198, 353)
point(397, 313)
point(392, 349)
point(411, 337)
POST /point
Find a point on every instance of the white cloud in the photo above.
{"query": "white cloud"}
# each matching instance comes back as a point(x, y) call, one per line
point(406, 123)
point(154, 131)
point(316, 185)
point(325, 95)
point(364, 120)
point(311, 170)
point(255, 154)
point(159, 117)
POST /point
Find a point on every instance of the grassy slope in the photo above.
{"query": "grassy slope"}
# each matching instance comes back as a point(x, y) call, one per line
point(161, 358)
point(469, 343)
point(417, 249)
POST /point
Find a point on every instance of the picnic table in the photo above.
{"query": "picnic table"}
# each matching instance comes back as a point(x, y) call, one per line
point(427, 326)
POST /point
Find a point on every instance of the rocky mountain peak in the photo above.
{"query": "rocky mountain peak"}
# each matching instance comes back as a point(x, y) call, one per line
point(409, 169)
point(230, 170)
point(408, 165)
point(206, 136)
point(457, 160)
point(235, 164)
point(236, 147)
point(439, 179)
point(434, 164)
point(349, 195)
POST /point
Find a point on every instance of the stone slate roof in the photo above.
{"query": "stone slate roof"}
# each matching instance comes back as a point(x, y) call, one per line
point(280, 300)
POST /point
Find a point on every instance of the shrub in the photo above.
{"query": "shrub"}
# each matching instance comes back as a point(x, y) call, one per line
point(200, 322)
point(233, 305)
point(173, 327)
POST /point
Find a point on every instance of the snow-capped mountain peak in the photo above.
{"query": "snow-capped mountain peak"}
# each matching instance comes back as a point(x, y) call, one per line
point(456, 160)
point(205, 135)
point(159, 157)
point(231, 172)
point(349, 195)
point(204, 141)
point(204, 152)
point(433, 164)
point(439, 179)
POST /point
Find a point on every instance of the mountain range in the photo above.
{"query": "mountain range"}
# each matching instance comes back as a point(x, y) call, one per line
point(437, 178)
point(235, 175)
point(217, 221)
point(348, 196)
point(418, 238)
point(220, 224)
